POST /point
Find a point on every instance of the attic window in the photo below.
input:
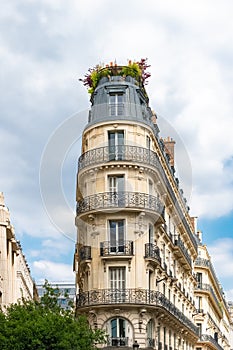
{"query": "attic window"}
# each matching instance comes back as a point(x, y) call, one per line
point(116, 104)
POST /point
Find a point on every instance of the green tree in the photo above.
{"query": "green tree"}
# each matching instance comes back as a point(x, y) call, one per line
point(45, 325)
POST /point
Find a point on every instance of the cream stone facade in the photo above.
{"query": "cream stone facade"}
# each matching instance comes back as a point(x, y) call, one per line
point(212, 316)
point(136, 242)
point(15, 279)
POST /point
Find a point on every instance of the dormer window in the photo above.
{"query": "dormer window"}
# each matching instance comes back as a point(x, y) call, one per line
point(116, 105)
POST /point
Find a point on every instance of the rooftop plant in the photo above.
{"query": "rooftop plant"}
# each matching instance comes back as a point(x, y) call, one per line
point(137, 70)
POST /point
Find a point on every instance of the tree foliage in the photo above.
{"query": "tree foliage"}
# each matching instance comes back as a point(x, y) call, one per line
point(45, 325)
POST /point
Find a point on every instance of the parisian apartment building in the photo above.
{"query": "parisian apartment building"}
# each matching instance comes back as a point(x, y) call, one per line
point(142, 272)
point(16, 282)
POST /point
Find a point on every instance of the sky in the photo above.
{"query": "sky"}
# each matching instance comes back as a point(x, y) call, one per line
point(46, 46)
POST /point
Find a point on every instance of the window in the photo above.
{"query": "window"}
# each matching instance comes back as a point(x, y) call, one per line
point(120, 331)
point(199, 303)
point(199, 279)
point(118, 328)
point(116, 189)
point(116, 145)
point(117, 235)
point(199, 326)
point(117, 284)
point(150, 332)
point(151, 234)
point(116, 105)
point(148, 142)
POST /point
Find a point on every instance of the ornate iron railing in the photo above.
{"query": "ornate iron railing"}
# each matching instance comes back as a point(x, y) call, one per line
point(106, 200)
point(133, 296)
point(139, 155)
point(119, 248)
point(208, 288)
point(85, 252)
point(118, 341)
point(152, 251)
point(178, 242)
point(206, 263)
point(121, 152)
point(207, 337)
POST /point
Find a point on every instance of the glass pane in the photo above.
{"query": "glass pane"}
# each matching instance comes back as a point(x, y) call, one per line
point(121, 327)
point(121, 231)
point(121, 183)
point(113, 238)
point(120, 138)
point(114, 328)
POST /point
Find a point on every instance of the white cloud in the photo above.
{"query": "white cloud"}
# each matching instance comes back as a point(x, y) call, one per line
point(221, 252)
point(52, 271)
point(51, 44)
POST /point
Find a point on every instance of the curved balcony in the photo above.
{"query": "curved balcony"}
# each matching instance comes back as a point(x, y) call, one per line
point(122, 248)
point(136, 155)
point(110, 200)
point(133, 296)
point(208, 288)
point(124, 153)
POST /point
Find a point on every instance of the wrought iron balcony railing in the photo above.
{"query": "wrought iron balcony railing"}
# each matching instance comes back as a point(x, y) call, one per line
point(118, 341)
point(117, 248)
point(85, 253)
point(137, 155)
point(106, 200)
point(208, 288)
point(152, 251)
point(207, 263)
point(133, 296)
point(208, 338)
point(178, 242)
point(122, 152)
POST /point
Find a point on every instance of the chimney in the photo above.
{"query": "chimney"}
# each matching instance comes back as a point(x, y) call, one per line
point(169, 144)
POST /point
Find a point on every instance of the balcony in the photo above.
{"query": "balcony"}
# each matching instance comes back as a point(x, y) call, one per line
point(152, 252)
point(208, 264)
point(85, 253)
point(207, 287)
point(208, 338)
point(133, 296)
point(118, 341)
point(109, 200)
point(136, 155)
point(178, 243)
point(124, 152)
point(122, 248)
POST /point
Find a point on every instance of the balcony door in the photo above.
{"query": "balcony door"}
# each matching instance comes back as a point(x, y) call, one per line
point(116, 236)
point(117, 284)
point(117, 278)
point(120, 330)
point(116, 144)
point(116, 189)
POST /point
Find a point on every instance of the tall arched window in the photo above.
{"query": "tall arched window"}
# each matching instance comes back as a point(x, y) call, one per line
point(120, 332)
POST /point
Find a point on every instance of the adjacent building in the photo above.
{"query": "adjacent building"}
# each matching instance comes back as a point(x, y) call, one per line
point(136, 242)
point(212, 315)
point(15, 278)
point(66, 291)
